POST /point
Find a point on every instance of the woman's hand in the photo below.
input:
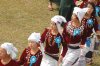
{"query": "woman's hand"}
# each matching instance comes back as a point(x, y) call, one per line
point(60, 60)
point(82, 46)
point(78, 3)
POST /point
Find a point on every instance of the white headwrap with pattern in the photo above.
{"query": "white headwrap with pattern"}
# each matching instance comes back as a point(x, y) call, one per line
point(35, 37)
point(58, 20)
point(11, 50)
point(80, 12)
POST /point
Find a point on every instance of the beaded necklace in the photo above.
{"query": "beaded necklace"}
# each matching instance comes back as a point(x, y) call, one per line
point(74, 31)
point(52, 39)
point(31, 59)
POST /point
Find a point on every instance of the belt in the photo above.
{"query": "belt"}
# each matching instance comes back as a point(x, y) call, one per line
point(54, 56)
point(73, 47)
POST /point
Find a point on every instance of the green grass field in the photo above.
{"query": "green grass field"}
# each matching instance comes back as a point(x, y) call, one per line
point(19, 18)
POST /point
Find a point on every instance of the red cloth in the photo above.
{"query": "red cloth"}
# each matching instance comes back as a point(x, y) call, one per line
point(75, 1)
point(53, 49)
point(88, 28)
point(98, 4)
point(24, 58)
point(70, 39)
point(84, 3)
point(11, 63)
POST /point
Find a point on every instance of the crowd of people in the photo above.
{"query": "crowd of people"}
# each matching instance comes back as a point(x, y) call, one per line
point(70, 40)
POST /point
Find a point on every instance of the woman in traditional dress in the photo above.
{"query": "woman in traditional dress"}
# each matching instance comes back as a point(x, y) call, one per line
point(8, 55)
point(53, 39)
point(74, 36)
point(91, 23)
point(97, 8)
point(50, 5)
point(32, 55)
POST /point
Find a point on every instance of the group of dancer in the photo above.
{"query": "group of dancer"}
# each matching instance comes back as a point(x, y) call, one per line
point(66, 6)
point(64, 43)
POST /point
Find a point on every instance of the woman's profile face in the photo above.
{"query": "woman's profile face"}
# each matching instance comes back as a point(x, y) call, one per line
point(74, 17)
point(53, 26)
point(3, 53)
point(32, 44)
point(90, 10)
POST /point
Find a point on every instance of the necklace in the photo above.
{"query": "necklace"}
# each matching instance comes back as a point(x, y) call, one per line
point(74, 31)
point(29, 55)
point(50, 38)
point(32, 58)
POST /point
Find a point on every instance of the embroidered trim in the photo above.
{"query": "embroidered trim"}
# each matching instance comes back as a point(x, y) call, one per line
point(74, 31)
point(51, 39)
point(28, 56)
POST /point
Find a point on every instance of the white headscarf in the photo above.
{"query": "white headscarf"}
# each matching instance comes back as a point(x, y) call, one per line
point(80, 12)
point(35, 37)
point(58, 20)
point(11, 50)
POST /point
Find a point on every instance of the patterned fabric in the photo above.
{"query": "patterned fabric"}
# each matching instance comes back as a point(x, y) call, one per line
point(11, 63)
point(52, 39)
point(52, 47)
point(74, 31)
point(89, 24)
point(71, 35)
point(26, 56)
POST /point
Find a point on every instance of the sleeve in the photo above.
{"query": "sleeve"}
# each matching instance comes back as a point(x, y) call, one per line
point(84, 3)
point(96, 25)
point(39, 61)
point(83, 40)
point(84, 37)
point(15, 63)
point(64, 34)
point(64, 49)
point(22, 58)
point(44, 35)
point(64, 44)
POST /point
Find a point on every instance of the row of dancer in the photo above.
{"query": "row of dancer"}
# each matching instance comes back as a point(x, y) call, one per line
point(76, 33)
point(88, 54)
point(72, 35)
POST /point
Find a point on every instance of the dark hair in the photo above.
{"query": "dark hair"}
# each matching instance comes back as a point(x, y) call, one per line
point(62, 24)
point(93, 5)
